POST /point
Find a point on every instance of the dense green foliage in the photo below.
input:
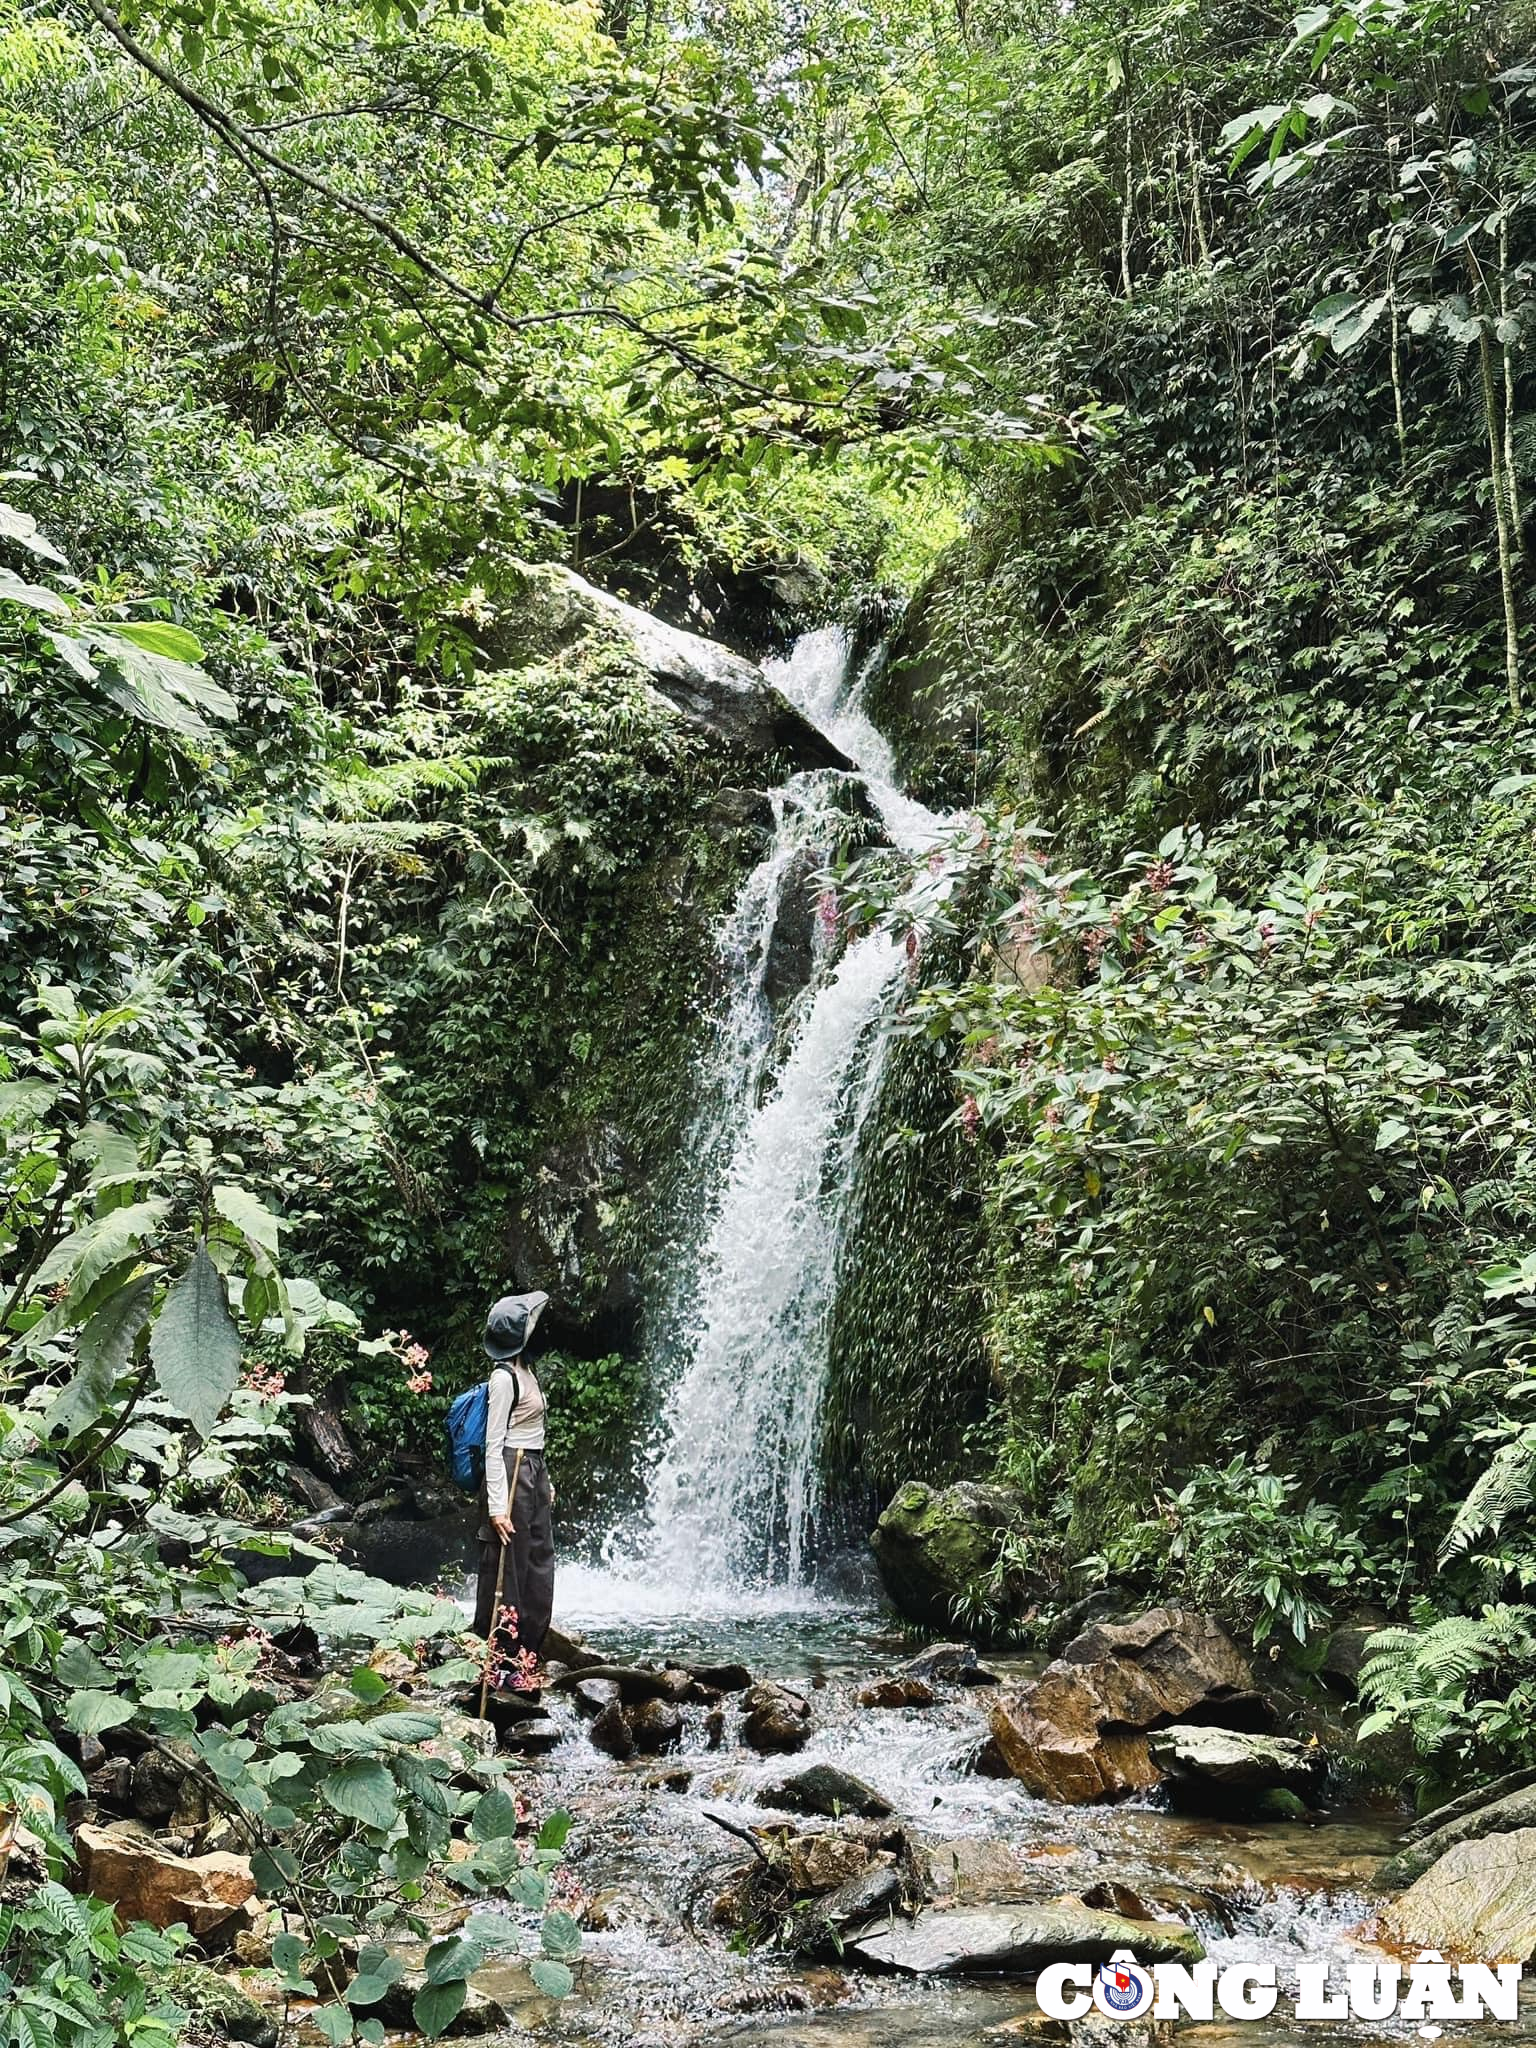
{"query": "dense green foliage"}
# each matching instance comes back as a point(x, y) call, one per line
point(354, 916)
point(1243, 1045)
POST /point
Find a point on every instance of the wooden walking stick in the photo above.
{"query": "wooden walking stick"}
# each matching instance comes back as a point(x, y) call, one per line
point(501, 1573)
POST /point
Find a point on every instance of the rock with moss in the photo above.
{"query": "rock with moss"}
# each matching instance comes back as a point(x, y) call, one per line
point(218, 2009)
point(729, 699)
point(935, 1544)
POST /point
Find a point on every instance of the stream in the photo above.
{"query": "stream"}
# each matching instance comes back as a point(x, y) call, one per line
point(735, 1559)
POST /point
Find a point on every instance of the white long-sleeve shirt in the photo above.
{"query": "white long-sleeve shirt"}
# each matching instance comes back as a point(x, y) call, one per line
point(509, 1428)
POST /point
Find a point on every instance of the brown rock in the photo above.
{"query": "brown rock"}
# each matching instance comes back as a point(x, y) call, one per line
point(655, 1725)
point(146, 1882)
point(823, 1863)
point(1050, 1735)
point(777, 1720)
point(612, 1734)
point(1079, 1732)
point(897, 1692)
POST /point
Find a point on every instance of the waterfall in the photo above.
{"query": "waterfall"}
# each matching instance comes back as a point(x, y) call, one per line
point(732, 1499)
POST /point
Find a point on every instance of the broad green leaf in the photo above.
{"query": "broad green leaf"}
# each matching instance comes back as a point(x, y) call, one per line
point(436, 2006)
point(21, 527)
point(238, 1206)
point(552, 1977)
point(362, 1790)
point(195, 1346)
point(14, 591)
point(411, 1728)
point(494, 1817)
point(106, 1344)
point(170, 694)
point(366, 1683)
point(453, 1958)
point(334, 2021)
point(156, 637)
point(89, 1712)
point(561, 1936)
point(86, 1253)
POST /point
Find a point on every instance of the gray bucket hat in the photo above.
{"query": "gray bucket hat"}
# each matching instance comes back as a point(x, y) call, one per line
point(510, 1324)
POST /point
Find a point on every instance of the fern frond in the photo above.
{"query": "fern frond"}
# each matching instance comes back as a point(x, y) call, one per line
point(372, 792)
point(1502, 1491)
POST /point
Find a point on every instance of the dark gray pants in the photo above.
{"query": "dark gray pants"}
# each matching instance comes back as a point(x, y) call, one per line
point(528, 1574)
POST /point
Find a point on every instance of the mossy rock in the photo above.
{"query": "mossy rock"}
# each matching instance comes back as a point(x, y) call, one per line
point(934, 1544)
point(219, 2010)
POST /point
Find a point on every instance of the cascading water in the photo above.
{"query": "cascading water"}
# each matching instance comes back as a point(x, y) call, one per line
point(733, 1494)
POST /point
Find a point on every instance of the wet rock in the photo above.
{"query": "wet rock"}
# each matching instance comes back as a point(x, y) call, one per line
point(722, 1677)
point(1051, 1735)
point(1515, 1810)
point(973, 1870)
point(1468, 1802)
point(611, 1733)
point(1094, 2030)
point(1169, 1664)
point(862, 1897)
point(479, 2014)
point(535, 1738)
point(706, 684)
point(145, 1881)
point(1345, 1655)
point(1478, 1899)
point(948, 1664)
point(1016, 1941)
point(1078, 1733)
point(635, 1681)
point(654, 1725)
point(562, 1646)
point(218, 2007)
point(1227, 1768)
point(591, 1695)
point(777, 1720)
point(111, 1787)
point(933, 1543)
point(714, 1729)
point(674, 1780)
point(825, 1862)
point(897, 1693)
point(824, 1789)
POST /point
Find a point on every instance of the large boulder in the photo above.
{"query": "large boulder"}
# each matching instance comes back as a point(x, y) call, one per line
point(1017, 1941)
point(1079, 1732)
point(145, 1881)
point(1515, 1810)
point(696, 679)
point(1226, 1770)
point(1477, 1900)
point(934, 1542)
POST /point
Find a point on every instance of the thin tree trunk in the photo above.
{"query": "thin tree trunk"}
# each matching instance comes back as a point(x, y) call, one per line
point(1501, 516)
point(1511, 473)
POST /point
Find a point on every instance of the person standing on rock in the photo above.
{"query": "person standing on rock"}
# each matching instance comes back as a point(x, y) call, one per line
point(515, 1592)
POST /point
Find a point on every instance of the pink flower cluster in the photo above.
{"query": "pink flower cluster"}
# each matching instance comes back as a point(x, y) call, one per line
point(512, 1670)
point(267, 1385)
point(413, 1357)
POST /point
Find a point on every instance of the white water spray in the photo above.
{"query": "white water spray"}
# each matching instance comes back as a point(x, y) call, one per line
point(733, 1496)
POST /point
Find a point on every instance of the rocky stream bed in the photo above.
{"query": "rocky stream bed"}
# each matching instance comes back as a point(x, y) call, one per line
point(707, 1839)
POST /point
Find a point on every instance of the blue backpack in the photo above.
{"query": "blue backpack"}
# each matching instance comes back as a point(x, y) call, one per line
point(465, 1427)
